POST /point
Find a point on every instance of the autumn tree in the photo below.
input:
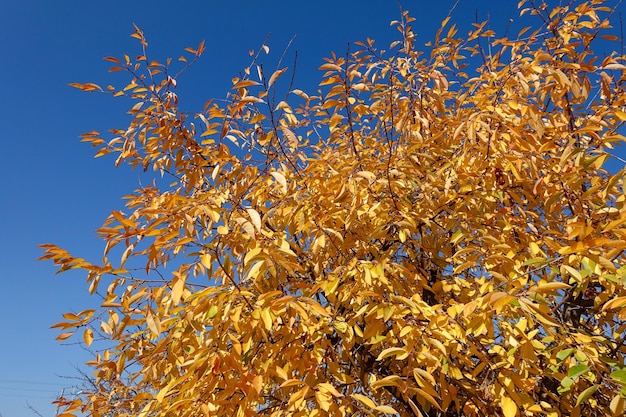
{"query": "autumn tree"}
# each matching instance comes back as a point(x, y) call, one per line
point(432, 233)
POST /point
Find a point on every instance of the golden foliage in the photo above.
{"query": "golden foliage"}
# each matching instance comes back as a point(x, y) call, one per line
point(425, 236)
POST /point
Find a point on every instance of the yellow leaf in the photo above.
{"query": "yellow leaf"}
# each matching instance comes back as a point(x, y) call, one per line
point(325, 386)
point(457, 236)
point(104, 326)
point(247, 226)
point(318, 308)
point(280, 372)
point(214, 216)
point(291, 383)
point(437, 344)
point(621, 115)
point(405, 330)
point(153, 324)
point(165, 390)
point(534, 248)
point(550, 286)
point(385, 409)
point(428, 397)
point(255, 269)
point(251, 255)
point(255, 217)
point(323, 399)
point(618, 406)
point(500, 299)
point(370, 176)
point(573, 272)
point(205, 260)
point(615, 223)
point(126, 253)
point(366, 401)
point(267, 318)
point(576, 247)
point(388, 381)
point(177, 290)
point(88, 336)
point(424, 375)
point(399, 353)
point(614, 303)
point(280, 179)
point(415, 409)
point(292, 140)
point(509, 408)
point(257, 384)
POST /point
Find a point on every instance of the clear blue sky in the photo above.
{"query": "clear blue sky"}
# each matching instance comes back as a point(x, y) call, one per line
point(54, 191)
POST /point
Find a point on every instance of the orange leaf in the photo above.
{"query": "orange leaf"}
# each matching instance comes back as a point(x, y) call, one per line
point(64, 336)
point(275, 76)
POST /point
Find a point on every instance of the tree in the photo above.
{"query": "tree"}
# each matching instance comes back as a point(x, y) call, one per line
point(432, 233)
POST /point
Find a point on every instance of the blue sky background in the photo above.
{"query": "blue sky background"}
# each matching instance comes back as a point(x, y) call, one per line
point(55, 191)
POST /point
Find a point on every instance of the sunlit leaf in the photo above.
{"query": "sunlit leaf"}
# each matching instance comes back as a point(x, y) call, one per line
point(88, 336)
point(399, 353)
point(153, 323)
point(275, 76)
point(255, 218)
point(509, 408)
point(280, 178)
point(366, 401)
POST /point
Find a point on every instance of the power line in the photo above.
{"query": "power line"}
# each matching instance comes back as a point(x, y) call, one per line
point(27, 389)
point(18, 381)
point(40, 397)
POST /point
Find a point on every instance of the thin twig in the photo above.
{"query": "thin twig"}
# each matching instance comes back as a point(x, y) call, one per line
point(31, 408)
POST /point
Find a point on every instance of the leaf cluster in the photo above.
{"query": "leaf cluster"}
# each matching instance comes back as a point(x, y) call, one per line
point(433, 233)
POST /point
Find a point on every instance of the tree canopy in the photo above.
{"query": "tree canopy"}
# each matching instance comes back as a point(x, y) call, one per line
point(434, 232)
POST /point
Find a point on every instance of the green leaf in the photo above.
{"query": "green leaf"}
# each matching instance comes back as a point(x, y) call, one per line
point(584, 396)
point(564, 354)
point(577, 370)
point(619, 375)
point(566, 385)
